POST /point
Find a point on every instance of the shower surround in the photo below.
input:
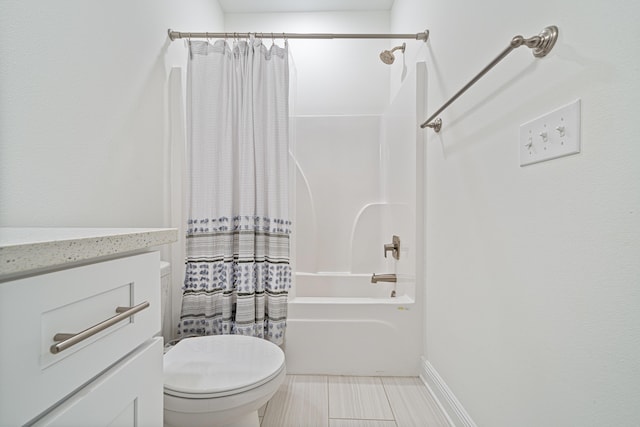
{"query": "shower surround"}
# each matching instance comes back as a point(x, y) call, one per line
point(357, 181)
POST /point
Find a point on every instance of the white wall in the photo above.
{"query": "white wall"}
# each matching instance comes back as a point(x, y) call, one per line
point(532, 273)
point(334, 77)
point(338, 175)
point(84, 132)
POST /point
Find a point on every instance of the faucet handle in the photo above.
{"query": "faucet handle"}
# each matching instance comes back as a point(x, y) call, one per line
point(389, 247)
point(393, 247)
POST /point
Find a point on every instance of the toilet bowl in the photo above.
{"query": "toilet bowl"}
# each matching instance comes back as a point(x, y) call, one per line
point(216, 381)
point(220, 380)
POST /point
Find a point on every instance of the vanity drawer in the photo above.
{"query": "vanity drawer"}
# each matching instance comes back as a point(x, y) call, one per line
point(33, 375)
point(128, 394)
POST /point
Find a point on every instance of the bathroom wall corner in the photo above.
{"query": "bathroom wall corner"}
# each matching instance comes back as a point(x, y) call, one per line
point(442, 394)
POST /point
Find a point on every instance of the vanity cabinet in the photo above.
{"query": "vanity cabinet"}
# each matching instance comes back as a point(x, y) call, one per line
point(78, 346)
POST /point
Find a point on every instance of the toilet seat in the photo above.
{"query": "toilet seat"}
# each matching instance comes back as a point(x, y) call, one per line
point(221, 365)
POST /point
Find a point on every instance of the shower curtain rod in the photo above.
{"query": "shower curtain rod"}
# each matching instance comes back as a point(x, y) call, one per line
point(173, 35)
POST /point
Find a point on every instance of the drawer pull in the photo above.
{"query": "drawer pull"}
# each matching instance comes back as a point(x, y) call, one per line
point(64, 341)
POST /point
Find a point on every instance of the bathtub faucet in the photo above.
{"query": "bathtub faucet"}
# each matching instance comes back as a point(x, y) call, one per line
point(383, 278)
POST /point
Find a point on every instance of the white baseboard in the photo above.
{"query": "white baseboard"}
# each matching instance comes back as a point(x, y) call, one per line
point(442, 394)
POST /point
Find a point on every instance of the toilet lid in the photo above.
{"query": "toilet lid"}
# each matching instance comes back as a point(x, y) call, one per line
point(220, 365)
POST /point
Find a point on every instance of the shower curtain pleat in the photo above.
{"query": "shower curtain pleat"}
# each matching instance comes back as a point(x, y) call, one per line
point(237, 266)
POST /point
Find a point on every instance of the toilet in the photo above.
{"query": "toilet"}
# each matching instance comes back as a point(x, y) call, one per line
point(220, 380)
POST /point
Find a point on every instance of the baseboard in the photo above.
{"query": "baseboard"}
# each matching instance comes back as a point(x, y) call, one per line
point(442, 394)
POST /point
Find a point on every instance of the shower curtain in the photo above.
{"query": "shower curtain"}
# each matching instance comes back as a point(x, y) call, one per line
point(237, 264)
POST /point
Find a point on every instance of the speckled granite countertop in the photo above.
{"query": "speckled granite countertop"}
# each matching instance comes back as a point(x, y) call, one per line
point(25, 249)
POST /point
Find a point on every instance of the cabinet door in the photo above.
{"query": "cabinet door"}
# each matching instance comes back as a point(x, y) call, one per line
point(128, 394)
point(33, 310)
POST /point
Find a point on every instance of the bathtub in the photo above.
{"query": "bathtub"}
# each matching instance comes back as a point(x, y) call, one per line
point(341, 286)
point(342, 324)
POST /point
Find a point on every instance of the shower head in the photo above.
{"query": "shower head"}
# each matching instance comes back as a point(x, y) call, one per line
point(387, 55)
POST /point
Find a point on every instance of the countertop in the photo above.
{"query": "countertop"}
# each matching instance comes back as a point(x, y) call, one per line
point(24, 250)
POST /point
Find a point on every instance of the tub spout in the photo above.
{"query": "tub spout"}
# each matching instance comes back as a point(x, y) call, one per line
point(383, 278)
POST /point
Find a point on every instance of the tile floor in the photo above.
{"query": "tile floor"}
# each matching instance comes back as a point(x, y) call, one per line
point(337, 401)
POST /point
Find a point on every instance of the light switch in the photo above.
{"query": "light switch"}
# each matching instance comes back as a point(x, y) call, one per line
point(556, 134)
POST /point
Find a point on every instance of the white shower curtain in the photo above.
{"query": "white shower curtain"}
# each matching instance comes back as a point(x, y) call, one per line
point(237, 266)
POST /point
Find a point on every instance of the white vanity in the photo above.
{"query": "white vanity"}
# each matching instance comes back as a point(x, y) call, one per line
point(79, 309)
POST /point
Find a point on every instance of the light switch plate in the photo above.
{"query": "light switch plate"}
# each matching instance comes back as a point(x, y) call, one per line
point(555, 134)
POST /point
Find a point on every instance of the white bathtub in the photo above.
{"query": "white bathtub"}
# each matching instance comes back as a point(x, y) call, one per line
point(341, 285)
point(342, 324)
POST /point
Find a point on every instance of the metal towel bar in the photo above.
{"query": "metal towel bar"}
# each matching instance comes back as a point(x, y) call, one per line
point(541, 45)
